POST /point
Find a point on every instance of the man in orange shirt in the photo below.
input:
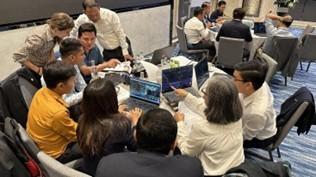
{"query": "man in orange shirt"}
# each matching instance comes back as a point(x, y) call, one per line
point(49, 123)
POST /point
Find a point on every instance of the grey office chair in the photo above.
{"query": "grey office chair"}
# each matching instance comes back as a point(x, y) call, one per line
point(271, 63)
point(27, 89)
point(307, 50)
point(230, 52)
point(308, 29)
point(284, 51)
point(184, 45)
point(282, 133)
point(183, 20)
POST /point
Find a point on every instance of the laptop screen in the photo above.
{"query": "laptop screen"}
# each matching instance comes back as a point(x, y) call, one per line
point(259, 27)
point(201, 72)
point(180, 77)
point(145, 90)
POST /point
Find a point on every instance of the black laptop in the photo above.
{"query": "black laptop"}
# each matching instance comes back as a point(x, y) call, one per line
point(259, 29)
point(201, 73)
point(180, 77)
point(143, 94)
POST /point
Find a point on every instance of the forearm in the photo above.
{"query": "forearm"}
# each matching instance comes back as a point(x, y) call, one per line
point(27, 63)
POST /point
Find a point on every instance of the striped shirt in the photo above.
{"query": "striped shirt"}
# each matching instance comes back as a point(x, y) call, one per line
point(38, 48)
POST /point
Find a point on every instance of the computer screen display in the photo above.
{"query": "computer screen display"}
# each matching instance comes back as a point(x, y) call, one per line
point(259, 27)
point(201, 72)
point(145, 90)
point(180, 77)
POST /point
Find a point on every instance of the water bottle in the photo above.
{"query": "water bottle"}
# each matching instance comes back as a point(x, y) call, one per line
point(94, 72)
point(141, 56)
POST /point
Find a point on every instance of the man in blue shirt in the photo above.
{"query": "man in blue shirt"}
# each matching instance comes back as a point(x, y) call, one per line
point(87, 35)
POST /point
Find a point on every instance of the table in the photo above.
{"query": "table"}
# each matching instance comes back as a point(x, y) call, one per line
point(154, 75)
point(257, 41)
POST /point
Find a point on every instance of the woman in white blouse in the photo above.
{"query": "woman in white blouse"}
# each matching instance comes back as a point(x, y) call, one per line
point(217, 138)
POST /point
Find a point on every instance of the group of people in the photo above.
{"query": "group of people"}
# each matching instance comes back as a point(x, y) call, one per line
point(235, 112)
point(197, 29)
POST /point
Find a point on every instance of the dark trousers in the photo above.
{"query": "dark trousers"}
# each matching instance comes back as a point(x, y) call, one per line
point(72, 152)
point(117, 53)
point(256, 143)
point(209, 45)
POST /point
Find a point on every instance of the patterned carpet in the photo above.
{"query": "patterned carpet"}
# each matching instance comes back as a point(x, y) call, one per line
point(300, 151)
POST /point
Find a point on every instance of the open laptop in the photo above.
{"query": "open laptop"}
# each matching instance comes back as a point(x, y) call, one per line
point(180, 77)
point(201, 72)
point(143, 94)
point(259, 29)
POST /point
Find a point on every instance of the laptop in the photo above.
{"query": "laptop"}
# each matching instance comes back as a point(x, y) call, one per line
point(201, 73)
point(259, 29)
point(180, 77)
point(143, 94)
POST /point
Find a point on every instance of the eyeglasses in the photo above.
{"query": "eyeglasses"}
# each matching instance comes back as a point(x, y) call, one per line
point(204, 91)
point(240, 80)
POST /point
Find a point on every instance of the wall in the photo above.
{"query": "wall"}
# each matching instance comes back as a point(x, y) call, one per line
point(148, 30)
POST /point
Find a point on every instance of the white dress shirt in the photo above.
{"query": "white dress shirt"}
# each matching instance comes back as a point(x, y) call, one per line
point(195, 31)
point(219, 147)
point(271, 31)
point(259, 118)
point(75, 96)
point(110, 33)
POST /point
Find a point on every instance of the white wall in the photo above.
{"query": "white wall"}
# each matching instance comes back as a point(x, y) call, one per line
point(148, 29)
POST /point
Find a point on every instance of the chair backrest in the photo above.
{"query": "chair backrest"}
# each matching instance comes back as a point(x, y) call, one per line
point(308, 29)
point(272, 64)
point(282, 50)
point(230, 51)
point(283, 131)
point(182, 21)
point(307, 50)
point(57, 169)
point(182, 39)
point(27, 89)
point(160, 53)
point(28, 143)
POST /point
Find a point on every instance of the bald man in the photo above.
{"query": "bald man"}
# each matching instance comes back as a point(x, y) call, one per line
point(280, 29)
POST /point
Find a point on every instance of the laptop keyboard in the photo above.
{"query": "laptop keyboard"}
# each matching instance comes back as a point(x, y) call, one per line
point(172, 97)
point(135, 103)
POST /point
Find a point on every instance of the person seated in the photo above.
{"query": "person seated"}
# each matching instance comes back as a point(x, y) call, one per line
point(38, 48)
point(236, 29)
point(217, 15)
point(102, 129)
point(259, 118)
point(72, 53)
point(156, 133)
point(48, 122)
point(87, 35)
point(206, 6)
point(281, 29)
point(217, 138)
point(111, 35)
point(198, 36)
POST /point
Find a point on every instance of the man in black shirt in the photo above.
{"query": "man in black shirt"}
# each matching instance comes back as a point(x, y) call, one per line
point(156, 133)
point(217, 15)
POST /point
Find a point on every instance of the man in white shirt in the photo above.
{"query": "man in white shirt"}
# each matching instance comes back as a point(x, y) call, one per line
point(198, 36)
point(259, 118)
point(281, 29)
point(110, 34)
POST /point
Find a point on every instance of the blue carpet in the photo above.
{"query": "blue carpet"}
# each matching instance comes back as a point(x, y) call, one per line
point(300, 151)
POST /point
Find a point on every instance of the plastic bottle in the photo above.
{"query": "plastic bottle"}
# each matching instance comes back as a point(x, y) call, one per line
point(94, 72)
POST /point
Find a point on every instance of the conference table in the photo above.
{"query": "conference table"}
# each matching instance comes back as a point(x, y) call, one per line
point(154, 75)
point(257, 41)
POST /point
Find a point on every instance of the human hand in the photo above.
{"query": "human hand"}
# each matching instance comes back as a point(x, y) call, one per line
point(112, 63)
point(180, 92)
point(122, 108)
point(209, 25)
point(178, 116)
point(128, 57)
point(40, 71)
point(134, 115)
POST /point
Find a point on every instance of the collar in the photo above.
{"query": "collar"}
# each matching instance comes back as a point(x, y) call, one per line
point(237, 20)
point(55, 96)
point(249, 99)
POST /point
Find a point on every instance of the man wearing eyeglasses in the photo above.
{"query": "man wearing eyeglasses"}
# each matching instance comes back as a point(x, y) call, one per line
point(259, 118)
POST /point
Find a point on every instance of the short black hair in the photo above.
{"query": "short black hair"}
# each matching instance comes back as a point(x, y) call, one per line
point(156, 131)
point(253, 71)
point(205, 4)
point(89, 3)
point(197, 11)
point(287, 21)
point(86, 27)
point(69, 46)
point(220, 3)
point(239, 13)
point(56, 72)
